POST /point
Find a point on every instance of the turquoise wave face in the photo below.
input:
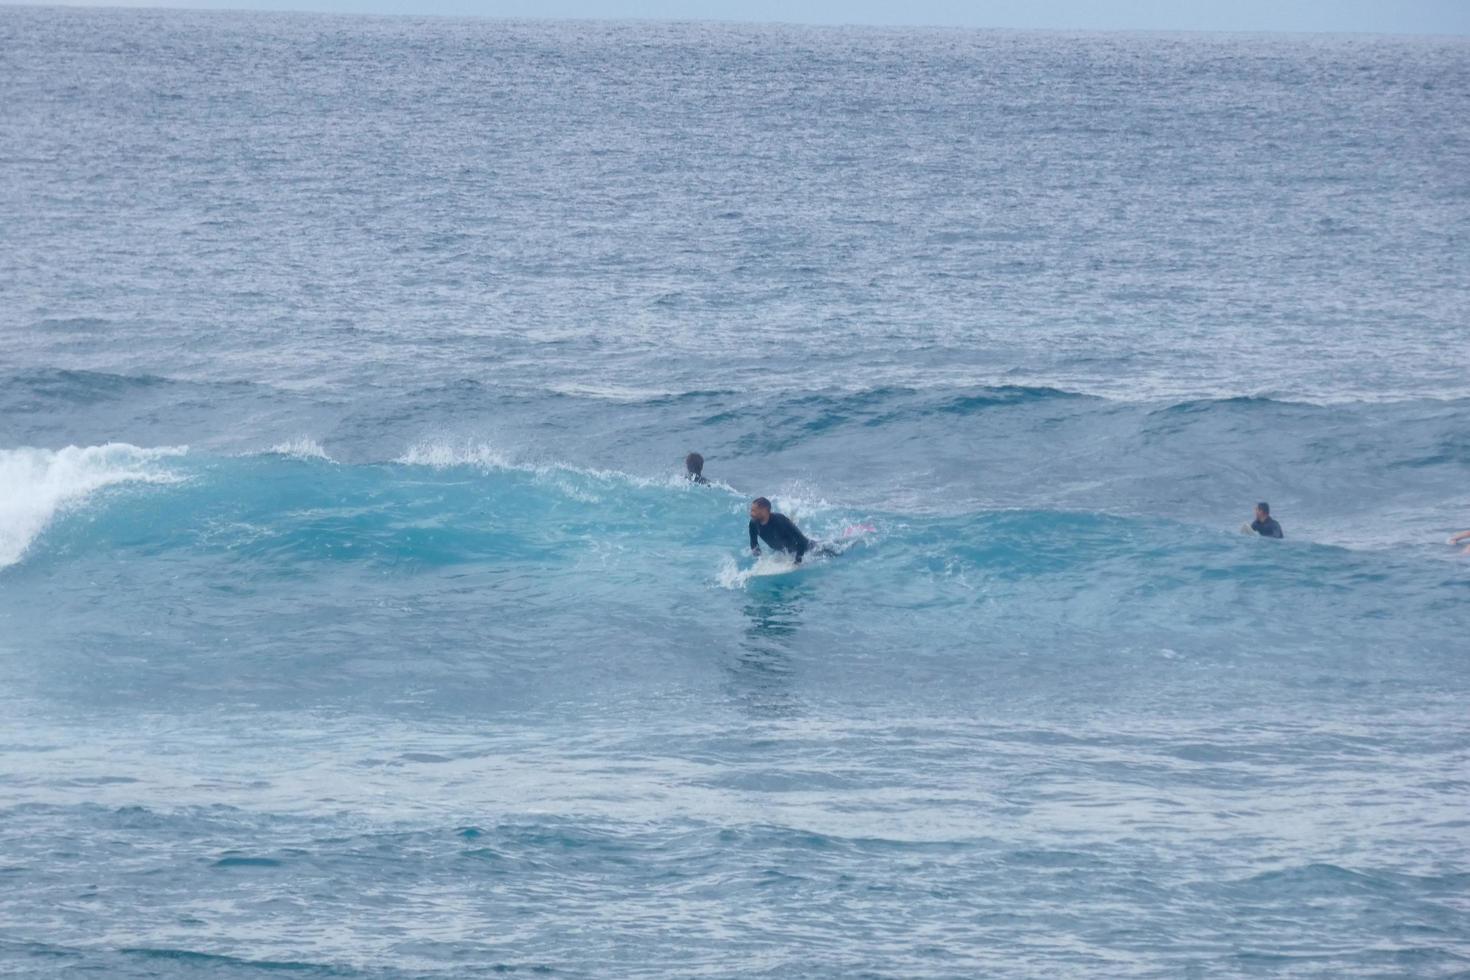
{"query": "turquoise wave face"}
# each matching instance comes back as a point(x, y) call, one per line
point(550, 568)
point(1381, 476)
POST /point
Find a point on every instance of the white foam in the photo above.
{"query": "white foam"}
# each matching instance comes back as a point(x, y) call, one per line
point(732, 576)
point(37, 484)
point(613, 393)
point(800, 501)
point(442, 454)
point(302, 448)
point(439, 454)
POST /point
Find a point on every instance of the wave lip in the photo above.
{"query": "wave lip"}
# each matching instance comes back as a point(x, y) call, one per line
point(439, 454)
point(443, 455)
point(302, 448)
point(37, 484)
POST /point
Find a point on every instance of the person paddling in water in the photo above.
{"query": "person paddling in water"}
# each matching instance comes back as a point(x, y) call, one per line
point(778, 531)
point(1265, 525)
point(694, 469)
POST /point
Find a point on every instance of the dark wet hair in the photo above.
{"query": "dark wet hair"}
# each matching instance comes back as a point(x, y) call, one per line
point(762, 503)
point(1265, 508)
point(694, 462)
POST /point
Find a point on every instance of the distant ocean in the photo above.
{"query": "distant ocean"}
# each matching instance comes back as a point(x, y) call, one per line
point(356, 619)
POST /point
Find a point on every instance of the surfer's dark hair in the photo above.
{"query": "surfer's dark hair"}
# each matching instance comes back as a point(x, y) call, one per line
point(1265, 508)
point(694, 462)
point(762, 503)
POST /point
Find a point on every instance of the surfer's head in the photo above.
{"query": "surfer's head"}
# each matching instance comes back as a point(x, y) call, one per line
point(1263, 511)
point(760, 510)
point(694, 463)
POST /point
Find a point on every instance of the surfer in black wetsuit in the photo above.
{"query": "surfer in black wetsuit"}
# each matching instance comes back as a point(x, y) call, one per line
point(776, 530)
point(694, 469)
point(1265, 525)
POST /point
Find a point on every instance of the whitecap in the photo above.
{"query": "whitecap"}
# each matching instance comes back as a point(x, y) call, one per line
point(440, 454)
point(37, 484)
point(302, 447)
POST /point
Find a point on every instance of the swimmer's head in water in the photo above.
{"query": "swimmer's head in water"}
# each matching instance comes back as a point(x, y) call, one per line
point(694, 463)
point(1263, 511)
point(760, 510)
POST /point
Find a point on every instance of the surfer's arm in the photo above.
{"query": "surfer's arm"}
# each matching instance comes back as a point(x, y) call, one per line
point(753, 545)
point(1460, 537)
point(802, 544)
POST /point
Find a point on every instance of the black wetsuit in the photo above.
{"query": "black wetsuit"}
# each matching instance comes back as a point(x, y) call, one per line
point(780, 535)
point(1267, 528)
point(698, 478)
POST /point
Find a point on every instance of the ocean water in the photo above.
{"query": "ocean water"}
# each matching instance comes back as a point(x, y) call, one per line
point(355, 620)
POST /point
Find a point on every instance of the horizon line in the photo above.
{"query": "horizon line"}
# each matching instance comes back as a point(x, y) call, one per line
point(195, 8)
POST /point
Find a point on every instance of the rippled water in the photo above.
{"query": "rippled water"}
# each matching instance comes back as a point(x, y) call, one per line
point(355, 618)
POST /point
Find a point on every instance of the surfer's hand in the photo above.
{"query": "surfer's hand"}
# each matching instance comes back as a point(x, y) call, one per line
point(755, 551)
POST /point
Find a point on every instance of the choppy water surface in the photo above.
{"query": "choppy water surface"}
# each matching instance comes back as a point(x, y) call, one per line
point(354, 618)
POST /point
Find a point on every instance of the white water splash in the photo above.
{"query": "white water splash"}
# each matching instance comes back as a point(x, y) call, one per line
point(37, 484)
point(302, 447)
point(732, 576)
point(441, 454)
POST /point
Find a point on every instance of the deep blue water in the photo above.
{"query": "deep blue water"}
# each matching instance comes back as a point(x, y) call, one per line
point(355, 619)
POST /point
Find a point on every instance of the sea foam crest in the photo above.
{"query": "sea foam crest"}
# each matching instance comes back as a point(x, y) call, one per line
point(37, 484)
point(441, 454)
point(301, 447)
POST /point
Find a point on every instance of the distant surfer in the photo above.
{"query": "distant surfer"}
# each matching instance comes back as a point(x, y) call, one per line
point(694, 469)
point(1265, 525)
point(1460, 538)
point(778, 531)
